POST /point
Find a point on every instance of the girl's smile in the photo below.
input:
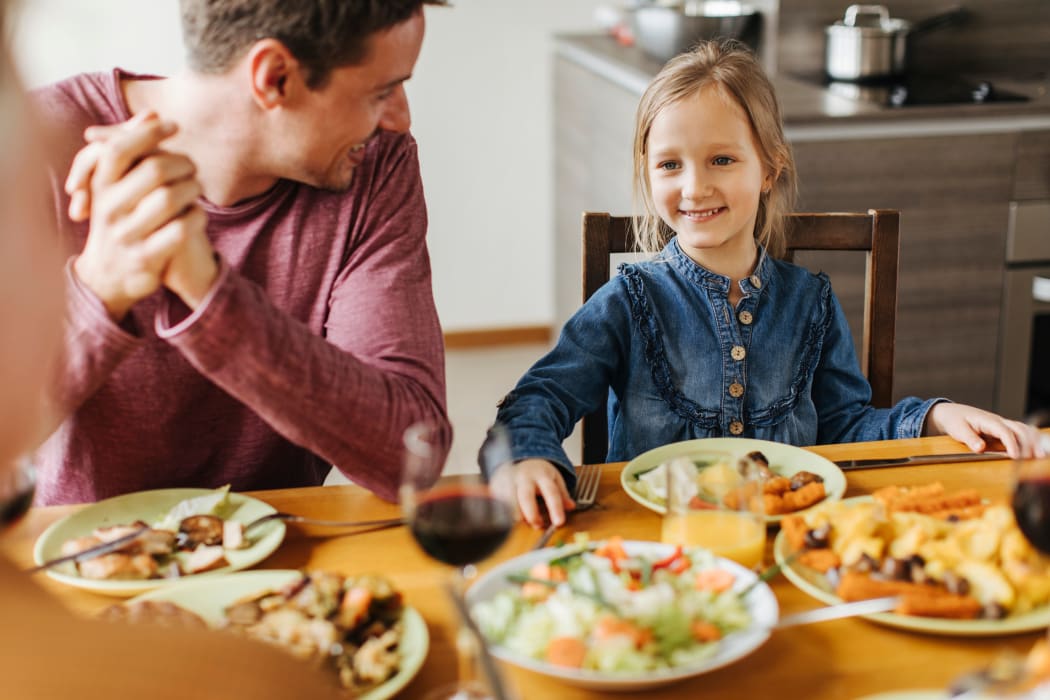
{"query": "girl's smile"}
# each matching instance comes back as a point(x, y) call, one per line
point(701, 214)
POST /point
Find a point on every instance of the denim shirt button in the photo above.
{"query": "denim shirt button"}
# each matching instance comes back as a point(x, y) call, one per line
point(738, 352)
point(756, 282)
point(736, 390)
point(736, 427)
point(745, 317)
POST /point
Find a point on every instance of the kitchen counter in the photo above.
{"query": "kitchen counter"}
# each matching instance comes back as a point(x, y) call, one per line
point(812, 112)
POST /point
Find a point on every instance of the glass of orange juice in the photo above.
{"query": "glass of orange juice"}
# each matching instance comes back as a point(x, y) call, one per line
point(729, 520)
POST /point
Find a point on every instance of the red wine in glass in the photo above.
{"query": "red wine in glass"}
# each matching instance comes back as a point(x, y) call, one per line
point(1031, 505)
point(459, 525)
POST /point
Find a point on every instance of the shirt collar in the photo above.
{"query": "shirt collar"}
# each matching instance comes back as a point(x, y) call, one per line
point(700, 275)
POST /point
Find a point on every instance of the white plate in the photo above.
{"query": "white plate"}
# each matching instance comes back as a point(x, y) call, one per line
point(783, 459)
point(208, 597)
point(814, 583)
point(151, 506)
point(761, 603)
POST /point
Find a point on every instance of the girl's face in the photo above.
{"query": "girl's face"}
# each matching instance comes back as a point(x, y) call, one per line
point(706, 178)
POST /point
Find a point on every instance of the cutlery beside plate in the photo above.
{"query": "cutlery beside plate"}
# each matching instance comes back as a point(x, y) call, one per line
point(915, 460)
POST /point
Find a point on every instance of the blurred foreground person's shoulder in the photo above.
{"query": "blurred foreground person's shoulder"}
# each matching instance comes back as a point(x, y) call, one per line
point(49, 653)
point(52, 655)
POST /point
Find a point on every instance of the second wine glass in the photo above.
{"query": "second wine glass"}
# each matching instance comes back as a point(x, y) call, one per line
point(457, 520)
point(1031, 501)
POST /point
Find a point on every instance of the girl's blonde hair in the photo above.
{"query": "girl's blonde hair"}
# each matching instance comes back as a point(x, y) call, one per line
point(732, 67)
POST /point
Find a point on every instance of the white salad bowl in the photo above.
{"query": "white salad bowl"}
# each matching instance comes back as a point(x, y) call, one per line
point(760, 603)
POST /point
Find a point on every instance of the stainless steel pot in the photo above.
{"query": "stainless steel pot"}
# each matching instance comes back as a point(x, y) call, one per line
point(665, 29)
point(868, 44)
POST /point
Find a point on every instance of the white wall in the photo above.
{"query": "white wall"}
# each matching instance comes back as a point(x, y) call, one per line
point(481, 100)
point(483, 117)
point(56, 38)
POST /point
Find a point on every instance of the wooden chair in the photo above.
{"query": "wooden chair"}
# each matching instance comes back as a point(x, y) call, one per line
point(877, 233)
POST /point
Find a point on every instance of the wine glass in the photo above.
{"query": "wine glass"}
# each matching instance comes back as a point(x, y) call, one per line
point(17, 486)
point(1031, 501)
point(457, 520)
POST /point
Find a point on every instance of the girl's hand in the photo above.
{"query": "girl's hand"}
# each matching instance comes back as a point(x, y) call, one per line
point(971, 425)
point(523, 481)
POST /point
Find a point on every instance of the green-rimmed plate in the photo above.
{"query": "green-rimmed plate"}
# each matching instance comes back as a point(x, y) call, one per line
point(151, 506)
point(783, 459)
point(209, 596)
point(815, 584)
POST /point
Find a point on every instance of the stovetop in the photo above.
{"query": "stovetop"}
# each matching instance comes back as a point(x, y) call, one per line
point(918, 90)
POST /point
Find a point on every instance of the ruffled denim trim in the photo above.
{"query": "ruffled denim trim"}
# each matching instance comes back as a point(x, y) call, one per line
point(656, 355)
point(810, 356)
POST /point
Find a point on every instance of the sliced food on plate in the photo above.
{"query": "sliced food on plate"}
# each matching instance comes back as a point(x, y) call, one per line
point(621, 610)
point(355, 627)
point(160, 536)
point(195, 527)
point(350, 623)
point(949, 554)
point(714, 470)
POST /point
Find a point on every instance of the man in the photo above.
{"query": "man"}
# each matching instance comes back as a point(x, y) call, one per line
point(249, 295)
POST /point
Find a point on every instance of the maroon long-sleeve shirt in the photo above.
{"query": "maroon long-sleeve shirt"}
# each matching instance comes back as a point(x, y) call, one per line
point(319, 343)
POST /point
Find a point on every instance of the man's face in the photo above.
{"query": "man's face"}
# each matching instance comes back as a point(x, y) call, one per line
point(331, 127)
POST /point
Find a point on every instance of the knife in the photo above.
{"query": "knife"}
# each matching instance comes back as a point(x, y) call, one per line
point(91, 552)
point(839, 611)
point(847, 464)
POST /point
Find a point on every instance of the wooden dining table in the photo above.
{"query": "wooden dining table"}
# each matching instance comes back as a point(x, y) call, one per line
point(846, 658)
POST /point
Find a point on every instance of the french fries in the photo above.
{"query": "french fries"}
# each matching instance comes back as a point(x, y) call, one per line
point(948, 553)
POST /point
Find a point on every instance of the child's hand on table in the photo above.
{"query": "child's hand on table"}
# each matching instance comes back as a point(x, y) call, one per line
point(524, 481)
point(971, 425)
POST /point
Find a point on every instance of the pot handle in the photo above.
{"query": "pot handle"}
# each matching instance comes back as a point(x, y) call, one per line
point(850, 18)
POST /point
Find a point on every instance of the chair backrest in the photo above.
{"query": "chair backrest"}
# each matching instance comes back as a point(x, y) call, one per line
point(877, 233)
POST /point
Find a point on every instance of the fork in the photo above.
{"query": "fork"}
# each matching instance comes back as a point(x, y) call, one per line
point(292, 518)
point(588, 477)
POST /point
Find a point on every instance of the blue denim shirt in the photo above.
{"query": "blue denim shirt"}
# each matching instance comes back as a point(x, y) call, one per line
point(678, 362)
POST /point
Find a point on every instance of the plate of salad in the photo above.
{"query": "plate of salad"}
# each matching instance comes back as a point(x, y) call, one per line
point(622, 615)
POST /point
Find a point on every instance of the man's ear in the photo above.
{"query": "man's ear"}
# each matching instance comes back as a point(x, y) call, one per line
point(275, 74)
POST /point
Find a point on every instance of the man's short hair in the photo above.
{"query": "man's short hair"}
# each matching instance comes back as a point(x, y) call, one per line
point(321, 34)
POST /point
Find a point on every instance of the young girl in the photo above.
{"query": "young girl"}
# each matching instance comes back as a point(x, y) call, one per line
point(714, 336)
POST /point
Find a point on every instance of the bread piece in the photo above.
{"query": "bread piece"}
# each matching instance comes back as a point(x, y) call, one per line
point(205, 558)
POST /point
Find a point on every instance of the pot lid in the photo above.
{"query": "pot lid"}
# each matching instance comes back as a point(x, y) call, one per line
point(871, 18)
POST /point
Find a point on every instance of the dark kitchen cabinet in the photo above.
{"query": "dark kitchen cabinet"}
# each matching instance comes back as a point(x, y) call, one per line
point(953, 194)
